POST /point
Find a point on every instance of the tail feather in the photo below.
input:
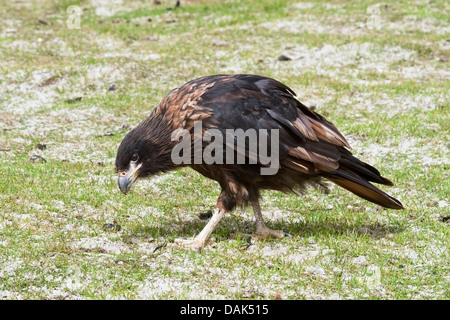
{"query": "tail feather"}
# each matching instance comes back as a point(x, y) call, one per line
point(364, 170)
point(364, 189)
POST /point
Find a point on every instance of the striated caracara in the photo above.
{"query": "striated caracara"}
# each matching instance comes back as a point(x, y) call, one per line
point(248, 133)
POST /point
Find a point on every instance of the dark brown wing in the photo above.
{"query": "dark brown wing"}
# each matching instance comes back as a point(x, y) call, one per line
point(308, 143)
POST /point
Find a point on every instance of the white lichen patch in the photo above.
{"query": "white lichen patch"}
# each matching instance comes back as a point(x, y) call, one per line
point(107, 8)
point(77, 151)
point(156, 287)
point(303, 5)
point(310, 24)
point(140, 212)
point(393, 104)
point(27, 92)
point(415, 150)
point(152, 184)
point(22, 97)
point(24, 45)
point(411, 23)
point(101, 243)
point(85, 122)
point(348, 61)
point(9, 266)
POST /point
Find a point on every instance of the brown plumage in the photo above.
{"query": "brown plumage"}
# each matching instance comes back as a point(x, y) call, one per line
point(311, 149)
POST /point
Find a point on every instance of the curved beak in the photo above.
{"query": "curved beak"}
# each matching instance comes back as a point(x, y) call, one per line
point(125, 183)
point(126, 178)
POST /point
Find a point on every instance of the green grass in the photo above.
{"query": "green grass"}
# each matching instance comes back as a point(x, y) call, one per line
point(386, 90)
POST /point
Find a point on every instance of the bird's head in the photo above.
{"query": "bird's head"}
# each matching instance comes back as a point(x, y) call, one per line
point(134, 158)
point(129, 162)
point(139, 156)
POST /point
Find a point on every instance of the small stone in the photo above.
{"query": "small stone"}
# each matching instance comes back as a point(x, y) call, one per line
point(316, 270)
point(41, 146)
point(219, 43)
point(152, 37)
point(112, 227)
point(283, 58)
point(46, 23)
point(106, 134)
point(73, 100)
point(442, 204)
point(361, 260)
point(49, 81)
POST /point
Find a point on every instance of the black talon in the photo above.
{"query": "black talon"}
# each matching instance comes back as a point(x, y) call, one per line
point(160, 246)
point(249, 241)
point(205, 215)
point(286, 234)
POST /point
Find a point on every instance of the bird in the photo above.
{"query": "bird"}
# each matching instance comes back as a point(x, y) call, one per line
point(310, 151)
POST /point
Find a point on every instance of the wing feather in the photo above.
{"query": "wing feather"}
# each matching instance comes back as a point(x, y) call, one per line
point(309, 144)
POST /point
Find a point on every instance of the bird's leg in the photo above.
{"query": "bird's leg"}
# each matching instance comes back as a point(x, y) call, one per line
point(262, 231)
point(224, 205)
point(201, 239)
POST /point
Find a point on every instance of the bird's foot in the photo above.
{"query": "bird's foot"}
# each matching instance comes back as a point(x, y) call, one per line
point(263, 232)
point(195, 244)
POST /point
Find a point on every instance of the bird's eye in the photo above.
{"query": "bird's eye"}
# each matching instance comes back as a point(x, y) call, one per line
point(134, 157)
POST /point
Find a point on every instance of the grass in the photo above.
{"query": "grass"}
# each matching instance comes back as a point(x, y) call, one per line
point(386, 90)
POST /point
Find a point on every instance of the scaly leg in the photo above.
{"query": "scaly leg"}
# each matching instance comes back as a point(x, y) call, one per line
point(262, 231)
point(201, 239)
point(224, 205)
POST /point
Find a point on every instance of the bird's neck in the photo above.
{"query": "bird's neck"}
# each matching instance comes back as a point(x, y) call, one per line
point(159, 139)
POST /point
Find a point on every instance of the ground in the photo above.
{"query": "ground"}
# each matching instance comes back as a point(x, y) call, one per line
point(70, 92)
